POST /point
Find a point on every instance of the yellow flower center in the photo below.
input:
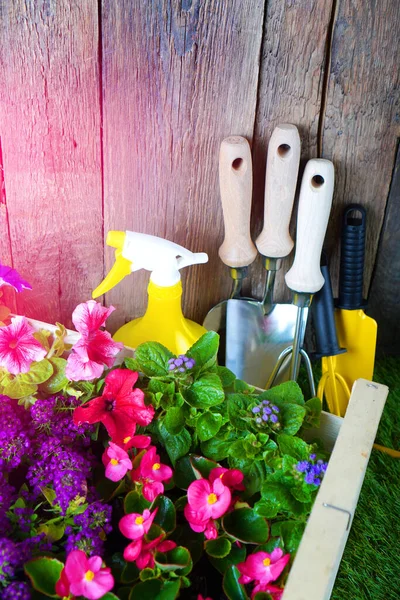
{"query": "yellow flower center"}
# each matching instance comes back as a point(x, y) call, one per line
point(114, 461)
point(127, 439)
point(156, 466)
point(139, 520)
point(89, 575)
point(266, 562)
point(212, 498)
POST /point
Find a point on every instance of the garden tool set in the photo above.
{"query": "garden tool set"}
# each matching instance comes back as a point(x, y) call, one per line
point(263, 338)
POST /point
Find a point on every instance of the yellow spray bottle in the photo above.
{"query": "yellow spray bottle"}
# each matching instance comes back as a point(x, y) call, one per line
point(163, 321)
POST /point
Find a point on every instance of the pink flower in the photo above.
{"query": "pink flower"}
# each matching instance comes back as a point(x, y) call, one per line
point(232, 478)
point(135, 441)
point(199, 525)
point(151, 473)
point(18, 348)
point(209, 500)
point(262, 568)
point(143, 552)
point(116, 461)
point(119, 408)
point(95, 349)
point(84, 577)
point(11, 277)
point(200, 597)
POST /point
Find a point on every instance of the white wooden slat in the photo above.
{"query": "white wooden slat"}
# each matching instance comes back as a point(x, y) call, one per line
point(314, 570)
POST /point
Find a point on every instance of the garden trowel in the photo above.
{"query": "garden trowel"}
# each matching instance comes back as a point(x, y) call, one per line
point(237, 250)
point(257, 332)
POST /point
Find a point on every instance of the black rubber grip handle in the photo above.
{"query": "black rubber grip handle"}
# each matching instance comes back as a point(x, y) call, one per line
point(322, 309)
point(351, 275)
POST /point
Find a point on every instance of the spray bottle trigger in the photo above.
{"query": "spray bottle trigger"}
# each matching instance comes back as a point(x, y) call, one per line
point(119, 270)
point(191, 258)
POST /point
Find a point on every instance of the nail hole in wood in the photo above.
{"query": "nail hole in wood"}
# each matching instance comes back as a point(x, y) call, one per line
point(238, 164)
point(317, 181)
point(284, 150)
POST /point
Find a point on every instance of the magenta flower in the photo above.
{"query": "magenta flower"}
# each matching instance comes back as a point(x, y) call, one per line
point(262, 568)
point(209, 500)
point(136, 441)
point(199, 525)
point(18, 348)
point(135, 526)
point(95, 349)
point(143, 552)
point(116, 462)
point(86, 577)
point(152, 473)
point(11, 277)
point(119, 408)
point(232, 478)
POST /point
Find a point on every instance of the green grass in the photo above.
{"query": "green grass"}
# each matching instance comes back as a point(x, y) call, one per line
point(370, 568)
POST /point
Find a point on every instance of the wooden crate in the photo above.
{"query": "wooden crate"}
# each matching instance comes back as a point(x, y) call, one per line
point(350, 439)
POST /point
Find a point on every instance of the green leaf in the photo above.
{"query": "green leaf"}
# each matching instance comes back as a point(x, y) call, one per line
point(44, 572)
point(232, 588)
point(178, 559)
point(207, 391)
point(290, 391)
point(58, 380)
point(135, 503)
point(313, 416)
point(208, 425)
point(155, 589)
point(147, 573)
point(218, 548)
point(130, 573)
point(276, 498)
point(174, 420)
point(226, 376)
point(166, 515)
point(183, 473)
point(291, 533)
point(216, 449)
point(254, 473)
point(17, 389)
point(38, 372)
point(109, 596)
point(176, 445)
point(49, 494)
point(245, 525)
point(243, 387)
point(291, 417)
point(52, 531)
point(235, 556)
point(152, 359)
point(108, 489)
point(202, 466)
point(204, 351)
point(293, 446)
point(238, 412)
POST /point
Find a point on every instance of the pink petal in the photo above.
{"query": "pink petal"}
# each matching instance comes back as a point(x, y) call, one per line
point(78, 368)
point(133, 550)
point(76, 566)
point(91, 412)
point(145, 560)
point(152, 489)
point(120, 382)
point(101, 348)
point(18, 348)
point(116, 472)
point(147, 462)
point(244, 579)
point(166, 546)
point(129, 528)
point(115, 451)
point(62, 585)
point(276, 554)
point(90, 315)
point(233, 479)
point(218, 487)
point(211, 532)
point(220, 507)
point(94, 563)
point(197, 521)
point(275, 569)
point(162, 474)
point(253, 566)
point(102, 583)
point(198, 492)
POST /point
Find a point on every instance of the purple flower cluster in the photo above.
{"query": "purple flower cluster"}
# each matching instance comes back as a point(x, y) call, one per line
point(16, 434)
point(266, 412)
point(90, 529)
point(7, 494)
point(54, 416)
point(14, 555)
point(17, 590)
point(313, 471)
point(181, 364)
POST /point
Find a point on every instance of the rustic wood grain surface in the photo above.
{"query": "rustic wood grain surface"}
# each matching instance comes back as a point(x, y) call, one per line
point(50, 131)
point(360, 122)
point(290, 91)
point(188, 80)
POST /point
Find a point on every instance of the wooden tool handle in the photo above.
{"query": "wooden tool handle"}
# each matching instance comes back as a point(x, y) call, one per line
point(280, 185)
point(236, 182)
point(312, 219)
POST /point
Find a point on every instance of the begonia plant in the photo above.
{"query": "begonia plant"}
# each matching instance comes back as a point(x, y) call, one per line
point(156, 476)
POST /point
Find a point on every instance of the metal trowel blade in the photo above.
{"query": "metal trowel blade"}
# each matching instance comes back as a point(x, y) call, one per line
point(254, 340)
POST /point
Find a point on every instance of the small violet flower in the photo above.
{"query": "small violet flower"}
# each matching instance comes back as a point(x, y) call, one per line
point(313, 471)
point(11, 277)
point(95, 349)
point(262, 568)
point(18, 348)
point(116, 461)
point(152, 473)
point(84, 577)
point(266, 413)
point(181, 364)
point(119, 408)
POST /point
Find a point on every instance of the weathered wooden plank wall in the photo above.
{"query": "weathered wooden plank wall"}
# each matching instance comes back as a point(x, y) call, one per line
point(50, 132)
point(112, 112)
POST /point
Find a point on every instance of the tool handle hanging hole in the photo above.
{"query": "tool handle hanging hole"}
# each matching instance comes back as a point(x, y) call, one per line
point(238, 164)
point(284, 150)
point(317, 181)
